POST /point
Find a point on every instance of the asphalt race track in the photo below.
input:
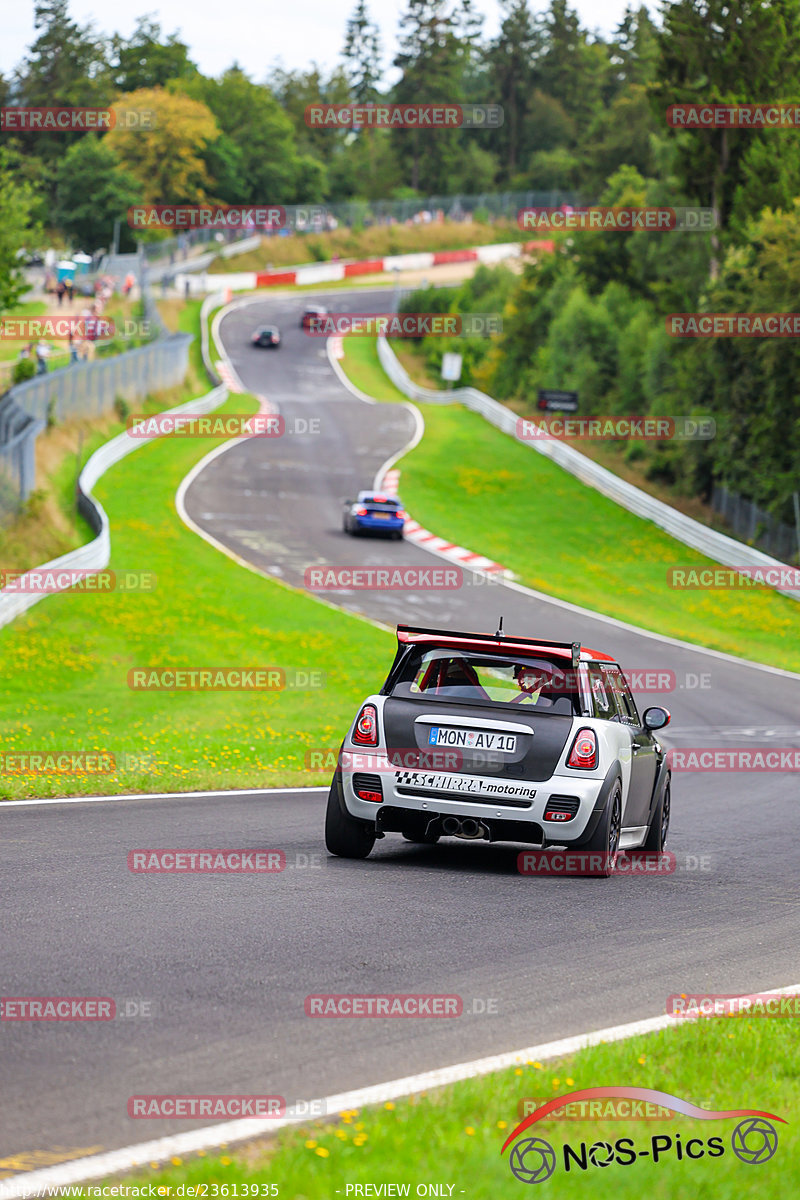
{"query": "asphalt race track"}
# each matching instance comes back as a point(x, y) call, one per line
point(226, 962)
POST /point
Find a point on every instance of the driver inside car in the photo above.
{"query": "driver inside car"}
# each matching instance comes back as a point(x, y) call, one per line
point(530, 681)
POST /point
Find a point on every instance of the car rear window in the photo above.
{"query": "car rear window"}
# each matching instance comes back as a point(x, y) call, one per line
point(462, 677)
point(382, 505)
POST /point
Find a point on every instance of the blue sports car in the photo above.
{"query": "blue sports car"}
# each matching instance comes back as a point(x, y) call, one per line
point(373, 511)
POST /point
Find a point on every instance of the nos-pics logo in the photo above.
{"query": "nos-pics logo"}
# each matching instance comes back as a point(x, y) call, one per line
point(754, 1140)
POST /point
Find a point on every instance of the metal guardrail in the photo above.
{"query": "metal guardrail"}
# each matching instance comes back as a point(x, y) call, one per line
point(94, 555)
point(716, 546)
point(212, 301)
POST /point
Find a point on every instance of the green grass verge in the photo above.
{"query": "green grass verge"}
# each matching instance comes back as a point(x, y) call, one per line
point(453, 1136)
point(480, 488)
point(65, 664)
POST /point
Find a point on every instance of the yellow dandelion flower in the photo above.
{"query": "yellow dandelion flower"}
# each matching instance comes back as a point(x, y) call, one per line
point(389, 1104)
point(322, 1152)
point(310, 1144)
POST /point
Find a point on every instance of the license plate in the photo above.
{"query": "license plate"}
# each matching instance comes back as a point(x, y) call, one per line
point(383, 516)
point(472, 739)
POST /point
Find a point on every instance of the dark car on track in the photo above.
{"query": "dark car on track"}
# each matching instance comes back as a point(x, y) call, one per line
point(480, 736)
point(267, 337)
point(311, 314)
point(374, 512)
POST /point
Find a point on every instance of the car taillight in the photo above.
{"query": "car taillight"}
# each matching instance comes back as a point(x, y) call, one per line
point(400, 513)
point(583, 754)
point(362, 512)
point(365, 732)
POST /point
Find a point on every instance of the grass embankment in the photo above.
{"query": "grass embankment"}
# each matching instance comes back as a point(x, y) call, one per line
point(65, 664)
point(453, 1136)
point(375, 242)
point(480, 488)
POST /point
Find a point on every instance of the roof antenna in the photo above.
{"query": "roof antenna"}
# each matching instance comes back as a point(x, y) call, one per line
point(499, 629)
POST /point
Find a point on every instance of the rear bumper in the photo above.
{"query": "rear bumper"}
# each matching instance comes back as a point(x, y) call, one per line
point(420, 795)
point(379, 523)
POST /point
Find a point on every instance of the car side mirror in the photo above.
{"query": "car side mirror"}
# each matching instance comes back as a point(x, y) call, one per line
point(656, 718)
point(346, 502)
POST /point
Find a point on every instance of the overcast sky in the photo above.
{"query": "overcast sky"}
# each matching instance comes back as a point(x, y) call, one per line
point(257, 35)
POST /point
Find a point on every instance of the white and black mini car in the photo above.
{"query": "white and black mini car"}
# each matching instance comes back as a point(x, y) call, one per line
point(505, 739)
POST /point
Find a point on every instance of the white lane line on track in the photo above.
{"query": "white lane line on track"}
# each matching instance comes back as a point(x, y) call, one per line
point(160, 796)
point(160, 1149)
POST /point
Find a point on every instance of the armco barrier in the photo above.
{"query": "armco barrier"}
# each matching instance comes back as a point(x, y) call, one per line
point(335, 272)
point(715, 546)
point(212, 301)
point(95, 555)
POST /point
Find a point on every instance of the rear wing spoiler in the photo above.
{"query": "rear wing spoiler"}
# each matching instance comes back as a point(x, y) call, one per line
point(411, 633)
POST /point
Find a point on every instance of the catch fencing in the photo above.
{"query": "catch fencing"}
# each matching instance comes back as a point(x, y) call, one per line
point(755, 525)
point(84, 389)
point(18, 433)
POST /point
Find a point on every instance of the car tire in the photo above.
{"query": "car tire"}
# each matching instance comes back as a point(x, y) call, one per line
point(657, 832)
point(345, 835)
point(605, 839)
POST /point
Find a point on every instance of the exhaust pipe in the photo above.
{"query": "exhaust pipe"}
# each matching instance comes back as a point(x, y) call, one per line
point(470, 829)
